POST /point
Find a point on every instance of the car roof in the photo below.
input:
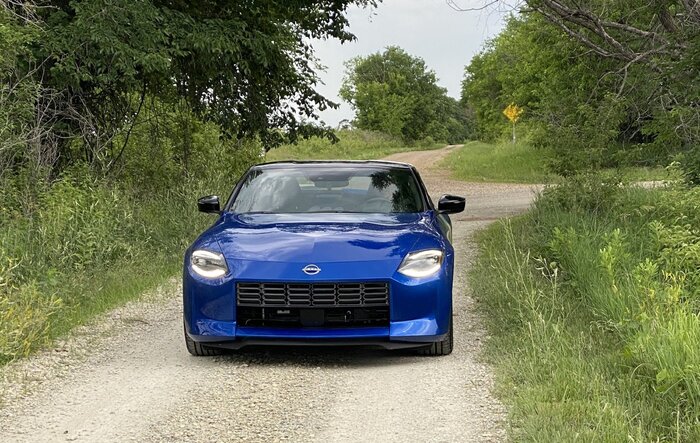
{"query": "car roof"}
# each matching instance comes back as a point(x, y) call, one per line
point(334, 163)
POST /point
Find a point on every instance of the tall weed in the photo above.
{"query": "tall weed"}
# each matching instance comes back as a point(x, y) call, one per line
point(619, 333)
point(63, 240)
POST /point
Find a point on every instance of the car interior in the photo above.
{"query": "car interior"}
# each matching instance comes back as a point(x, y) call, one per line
point(378, 192)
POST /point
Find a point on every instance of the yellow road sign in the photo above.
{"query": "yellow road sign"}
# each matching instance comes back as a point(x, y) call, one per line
point(513, 112)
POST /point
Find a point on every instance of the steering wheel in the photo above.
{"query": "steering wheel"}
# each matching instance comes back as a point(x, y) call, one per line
point(377, 204)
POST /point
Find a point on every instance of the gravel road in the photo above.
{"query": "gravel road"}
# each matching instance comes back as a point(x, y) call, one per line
point(128, 377)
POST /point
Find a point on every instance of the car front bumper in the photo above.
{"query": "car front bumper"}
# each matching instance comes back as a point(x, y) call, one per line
point(380, 337)
point(420, 311)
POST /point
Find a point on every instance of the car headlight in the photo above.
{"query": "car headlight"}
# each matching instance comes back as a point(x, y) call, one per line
point(208, 264)
point(422, 263)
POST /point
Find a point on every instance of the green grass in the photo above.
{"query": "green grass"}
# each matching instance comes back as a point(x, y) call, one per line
point(86, 245)
point(502, 162)
point(591, 304)
point(645, 173)
point(352, 145)
point(96, 294)
point(520, 163)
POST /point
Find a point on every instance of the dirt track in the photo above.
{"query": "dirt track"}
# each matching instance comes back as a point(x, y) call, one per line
point(129, 377)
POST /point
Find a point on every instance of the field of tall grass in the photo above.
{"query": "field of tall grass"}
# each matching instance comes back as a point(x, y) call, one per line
point(592, 301)
point(353, 144)
point(78, 244)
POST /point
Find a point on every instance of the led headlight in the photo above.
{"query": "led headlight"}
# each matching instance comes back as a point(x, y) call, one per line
point(208, 264)
point(422, 263)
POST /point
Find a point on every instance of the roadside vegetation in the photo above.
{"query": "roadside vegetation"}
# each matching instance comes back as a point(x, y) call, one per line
point(78, 244)
point(591, 299)
point(114, 117)
point(592, 302)
point(499, 162)
point(354, 144)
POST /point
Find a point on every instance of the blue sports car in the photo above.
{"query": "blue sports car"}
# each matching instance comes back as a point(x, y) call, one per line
point(323, 253)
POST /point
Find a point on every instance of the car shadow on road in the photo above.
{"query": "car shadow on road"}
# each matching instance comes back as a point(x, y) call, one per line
point(320, 356)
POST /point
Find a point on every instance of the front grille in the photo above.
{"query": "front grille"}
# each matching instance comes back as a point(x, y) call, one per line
point(260, 294)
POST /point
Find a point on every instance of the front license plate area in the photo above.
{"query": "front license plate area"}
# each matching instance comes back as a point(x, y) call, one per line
point(312, 317)
point(315, 317)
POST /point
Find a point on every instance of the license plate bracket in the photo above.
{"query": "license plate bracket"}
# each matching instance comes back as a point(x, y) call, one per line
point(312, 317)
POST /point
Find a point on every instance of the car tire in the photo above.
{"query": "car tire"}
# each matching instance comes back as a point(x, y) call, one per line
point(200, 350)
point(442, 347)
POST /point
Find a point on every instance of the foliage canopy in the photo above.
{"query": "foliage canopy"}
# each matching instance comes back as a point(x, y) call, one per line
point(604, 83)
point(395, 92)
point(93, 66)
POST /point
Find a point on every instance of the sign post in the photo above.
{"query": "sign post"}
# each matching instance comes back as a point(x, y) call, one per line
point(513, 112)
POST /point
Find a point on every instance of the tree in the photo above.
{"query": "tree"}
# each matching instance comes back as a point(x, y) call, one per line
point(19, 111)
point(658, 38)
point(573, 98)
point(396, 93)
point(248, 66)
point(604, 82)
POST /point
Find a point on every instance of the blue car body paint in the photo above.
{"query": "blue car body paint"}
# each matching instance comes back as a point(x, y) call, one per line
point(347, 247)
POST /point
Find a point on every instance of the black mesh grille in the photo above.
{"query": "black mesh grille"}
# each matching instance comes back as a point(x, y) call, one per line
point(312, 294)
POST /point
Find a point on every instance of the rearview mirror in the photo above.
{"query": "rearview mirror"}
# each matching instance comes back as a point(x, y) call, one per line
point(209, 204)
point(451, 204)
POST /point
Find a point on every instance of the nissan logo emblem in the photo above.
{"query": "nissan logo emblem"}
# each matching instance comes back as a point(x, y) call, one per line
point(311, 269)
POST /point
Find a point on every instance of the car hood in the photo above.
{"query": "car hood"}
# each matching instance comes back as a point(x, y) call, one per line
point(324, 238)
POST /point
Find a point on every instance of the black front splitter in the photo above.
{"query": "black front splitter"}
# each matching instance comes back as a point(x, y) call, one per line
point(381, 344)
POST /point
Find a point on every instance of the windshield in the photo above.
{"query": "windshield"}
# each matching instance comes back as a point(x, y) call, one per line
point(328, 189)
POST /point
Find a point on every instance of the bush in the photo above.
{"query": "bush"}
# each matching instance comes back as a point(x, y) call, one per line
point(77, 222)
point(691, 166)
point(590, 193)
point(78, 244)
point(598, 289)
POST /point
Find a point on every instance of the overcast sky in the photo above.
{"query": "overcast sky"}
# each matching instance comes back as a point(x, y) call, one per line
point(445, 38)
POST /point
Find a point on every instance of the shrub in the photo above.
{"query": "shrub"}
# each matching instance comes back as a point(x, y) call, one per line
point(83, 222)
point(63, 240)
point(603, 298)
point(691, 166)
point(588, 192)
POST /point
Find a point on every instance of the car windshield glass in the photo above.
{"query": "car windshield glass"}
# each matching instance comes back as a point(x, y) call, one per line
point(328, 189)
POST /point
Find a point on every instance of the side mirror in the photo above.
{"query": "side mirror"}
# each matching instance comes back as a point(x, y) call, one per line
point(451, 204)
point(209, 204)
